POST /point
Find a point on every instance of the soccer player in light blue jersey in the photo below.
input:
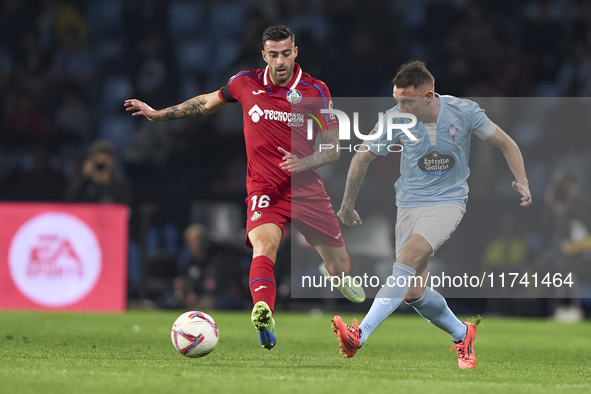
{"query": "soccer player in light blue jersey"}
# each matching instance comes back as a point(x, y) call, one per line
point(431, 196)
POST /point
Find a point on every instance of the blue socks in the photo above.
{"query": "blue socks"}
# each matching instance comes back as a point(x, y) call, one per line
point(432, 306)
point(387, 300)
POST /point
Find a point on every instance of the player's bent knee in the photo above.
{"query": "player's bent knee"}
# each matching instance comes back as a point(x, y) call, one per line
point(415, 259)
point(409, 260)
point(265, 248)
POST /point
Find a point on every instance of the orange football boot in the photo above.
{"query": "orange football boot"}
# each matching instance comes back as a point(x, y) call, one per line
point(348, 336)
point(465, 349)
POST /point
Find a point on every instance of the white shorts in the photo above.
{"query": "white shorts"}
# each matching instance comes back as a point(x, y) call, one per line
point(435, 223)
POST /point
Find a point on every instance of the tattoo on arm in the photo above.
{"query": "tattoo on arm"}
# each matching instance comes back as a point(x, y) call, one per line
point(325, 155)
point(190, 108)
point(355, 177)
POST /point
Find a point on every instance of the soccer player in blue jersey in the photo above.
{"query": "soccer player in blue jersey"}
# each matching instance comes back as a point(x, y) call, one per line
point(431, 196)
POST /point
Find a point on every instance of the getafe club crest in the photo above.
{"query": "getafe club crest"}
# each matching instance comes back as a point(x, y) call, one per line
point(294, 96)
point(452, 130)
point(256, 216)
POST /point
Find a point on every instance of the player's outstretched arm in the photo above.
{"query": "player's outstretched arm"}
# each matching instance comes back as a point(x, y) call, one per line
point(514, 159)
point(327, 154)
point(201, 105)
point(355, 176)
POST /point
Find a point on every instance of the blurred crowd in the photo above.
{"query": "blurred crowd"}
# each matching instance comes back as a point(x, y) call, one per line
point(67, 66)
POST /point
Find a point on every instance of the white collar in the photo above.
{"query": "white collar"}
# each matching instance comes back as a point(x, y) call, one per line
point(296, 80)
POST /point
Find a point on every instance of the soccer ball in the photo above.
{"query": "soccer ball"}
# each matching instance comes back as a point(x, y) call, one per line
point(194, 334)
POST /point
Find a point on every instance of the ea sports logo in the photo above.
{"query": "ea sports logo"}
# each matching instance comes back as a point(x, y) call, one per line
point(55, 259)
point(255, 113)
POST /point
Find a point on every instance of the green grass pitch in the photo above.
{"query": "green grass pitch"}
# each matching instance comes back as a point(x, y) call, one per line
point(132, 353)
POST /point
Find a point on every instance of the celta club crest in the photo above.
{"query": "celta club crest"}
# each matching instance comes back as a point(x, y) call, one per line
point(452, 130)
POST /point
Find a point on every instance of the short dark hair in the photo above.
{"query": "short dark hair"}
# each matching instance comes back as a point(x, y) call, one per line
point(413, 73)
point(278, 33)
point(102, 146)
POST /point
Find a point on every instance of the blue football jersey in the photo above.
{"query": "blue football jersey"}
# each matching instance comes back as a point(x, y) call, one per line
point(434, 168)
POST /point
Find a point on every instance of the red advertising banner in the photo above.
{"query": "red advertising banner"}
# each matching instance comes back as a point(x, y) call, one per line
point(63, 256)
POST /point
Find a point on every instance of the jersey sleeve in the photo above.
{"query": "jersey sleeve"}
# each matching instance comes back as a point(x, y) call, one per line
point(481, 125)
point(327, 104)
point(230, 92)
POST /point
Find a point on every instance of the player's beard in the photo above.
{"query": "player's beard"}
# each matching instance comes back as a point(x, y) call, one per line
point(282, 78)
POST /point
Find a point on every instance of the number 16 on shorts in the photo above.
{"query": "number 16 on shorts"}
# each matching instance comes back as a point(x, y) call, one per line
point(263, 202)
point(258, 203)
point(264, 208)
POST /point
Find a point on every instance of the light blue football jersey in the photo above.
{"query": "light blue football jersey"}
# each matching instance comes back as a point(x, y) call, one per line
point(434, 169)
